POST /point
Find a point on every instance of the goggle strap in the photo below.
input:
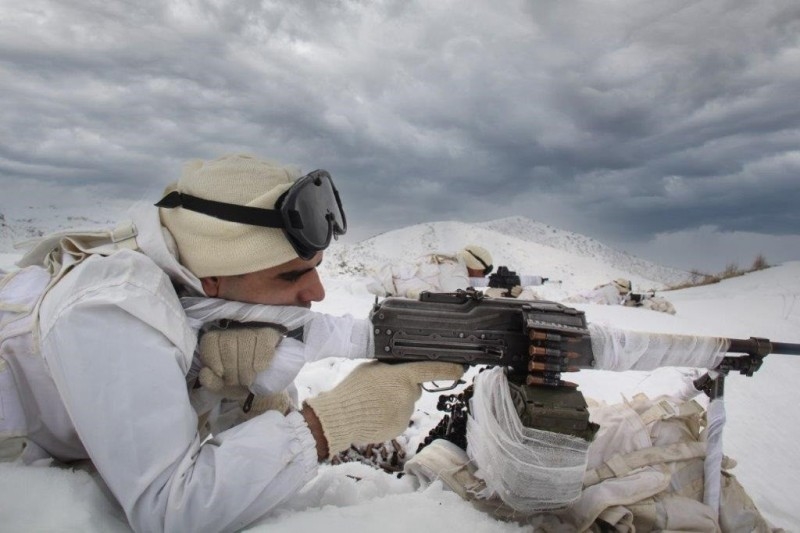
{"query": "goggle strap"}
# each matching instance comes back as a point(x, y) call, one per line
point(486, 268)
point(254, 216)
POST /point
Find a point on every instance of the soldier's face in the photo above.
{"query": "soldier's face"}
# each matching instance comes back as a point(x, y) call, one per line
point(294, 283)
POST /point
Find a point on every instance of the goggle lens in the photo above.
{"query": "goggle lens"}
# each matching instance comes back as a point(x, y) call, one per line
point(312, 213)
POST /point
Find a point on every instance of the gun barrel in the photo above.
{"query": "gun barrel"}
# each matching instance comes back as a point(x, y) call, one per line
point(762, 347)
point(786, 348)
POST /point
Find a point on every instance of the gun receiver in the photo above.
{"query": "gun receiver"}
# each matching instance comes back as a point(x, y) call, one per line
point(536, 340)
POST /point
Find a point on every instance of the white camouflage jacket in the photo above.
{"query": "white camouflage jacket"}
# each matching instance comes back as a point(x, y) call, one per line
point(433, 272)
point(109, 379)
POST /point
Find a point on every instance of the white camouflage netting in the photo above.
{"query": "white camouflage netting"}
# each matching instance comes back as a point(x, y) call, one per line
point(529, 469)
point(620, 350)
point(712, 468)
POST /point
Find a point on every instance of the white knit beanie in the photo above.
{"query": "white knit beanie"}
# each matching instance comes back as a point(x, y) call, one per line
point(623, 285)
point(470, 255)
point(209, 246)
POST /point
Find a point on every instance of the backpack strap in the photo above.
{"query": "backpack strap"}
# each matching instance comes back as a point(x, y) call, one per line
point(442, 258)
point(623, 464)
point(71, 247)
point(59, 252)
point(645, 515)
point(665, 409)
point(124, 235)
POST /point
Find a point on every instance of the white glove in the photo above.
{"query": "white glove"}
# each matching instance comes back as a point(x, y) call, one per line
point(232, 357)
point(375, 402)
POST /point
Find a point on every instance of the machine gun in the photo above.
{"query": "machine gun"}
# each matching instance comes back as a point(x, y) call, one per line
point(508, 279)
point(504, 279)
point(638, 298)
point(537, 342)
point(635, 299)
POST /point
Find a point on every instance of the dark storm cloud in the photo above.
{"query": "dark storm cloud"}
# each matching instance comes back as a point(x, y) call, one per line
point(628, 121)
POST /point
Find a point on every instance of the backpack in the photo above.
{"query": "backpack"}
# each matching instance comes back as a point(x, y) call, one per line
point(646, 473)
point(21, 293)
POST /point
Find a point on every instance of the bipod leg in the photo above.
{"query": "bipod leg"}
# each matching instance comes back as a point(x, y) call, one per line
point(713, 385)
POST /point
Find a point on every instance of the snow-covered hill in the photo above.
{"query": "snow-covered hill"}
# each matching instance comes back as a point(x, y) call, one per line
point(523, 245)
point(538, 232)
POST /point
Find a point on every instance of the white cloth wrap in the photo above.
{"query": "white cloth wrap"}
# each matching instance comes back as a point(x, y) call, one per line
point(323, 336)
point(529, 469)
point(202, 311)
point(526, 280)
point(713, 463)
point(621, 350)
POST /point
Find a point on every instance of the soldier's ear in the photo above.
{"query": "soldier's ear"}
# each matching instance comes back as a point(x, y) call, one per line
point(210, 286)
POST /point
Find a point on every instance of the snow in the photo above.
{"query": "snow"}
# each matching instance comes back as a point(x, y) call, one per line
point(760, 434)
point(7, 261)
point(525, 246)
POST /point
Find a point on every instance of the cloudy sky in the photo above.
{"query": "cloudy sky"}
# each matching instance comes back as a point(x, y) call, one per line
point(668, 128)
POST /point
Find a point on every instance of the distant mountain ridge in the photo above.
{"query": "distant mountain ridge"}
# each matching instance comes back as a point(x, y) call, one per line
point(539, 232)
point(524, 245)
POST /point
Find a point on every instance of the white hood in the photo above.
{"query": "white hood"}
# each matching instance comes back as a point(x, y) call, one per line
point(156, 242)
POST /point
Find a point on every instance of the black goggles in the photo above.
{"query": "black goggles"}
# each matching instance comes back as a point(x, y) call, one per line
point(309, 213)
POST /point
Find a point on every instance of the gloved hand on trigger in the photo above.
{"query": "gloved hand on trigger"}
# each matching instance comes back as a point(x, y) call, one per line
point(375, 402)
point(232, 357)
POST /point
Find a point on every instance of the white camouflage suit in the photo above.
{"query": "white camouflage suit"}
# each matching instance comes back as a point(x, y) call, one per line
point(433, 272)
point(111, 381)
